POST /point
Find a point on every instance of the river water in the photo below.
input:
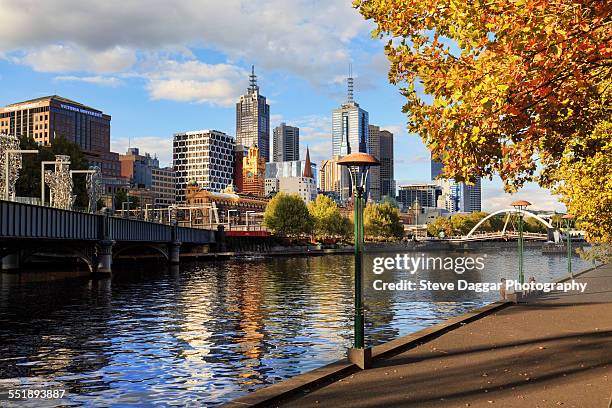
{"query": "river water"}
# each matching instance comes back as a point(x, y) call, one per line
point(208, 332)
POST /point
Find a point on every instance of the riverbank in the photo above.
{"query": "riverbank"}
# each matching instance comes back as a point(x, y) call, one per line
point(553, 350)
point(371, 247)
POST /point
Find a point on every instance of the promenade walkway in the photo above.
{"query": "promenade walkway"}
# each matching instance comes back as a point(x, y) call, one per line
point(555, 351)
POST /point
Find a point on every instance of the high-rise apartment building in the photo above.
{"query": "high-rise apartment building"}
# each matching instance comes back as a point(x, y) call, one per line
point(50, 117)
point(349, 126)
point(286, 143)
point(253, 119)
point(374, 191)
point(387, 174)
point(203, 156)
point(253, 173)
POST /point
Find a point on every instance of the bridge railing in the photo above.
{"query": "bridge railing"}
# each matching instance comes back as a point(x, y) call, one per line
point(121, 229)
point(27, 221)
point(20, 220)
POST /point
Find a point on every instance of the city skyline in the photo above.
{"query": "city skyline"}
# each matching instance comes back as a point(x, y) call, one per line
point(153, 89)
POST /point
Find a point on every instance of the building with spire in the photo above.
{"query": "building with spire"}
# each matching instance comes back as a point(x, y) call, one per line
point(349, 126)
point(287, 181)
point(253, 119)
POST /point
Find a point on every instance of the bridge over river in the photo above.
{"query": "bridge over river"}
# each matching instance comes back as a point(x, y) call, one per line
point(28, 231)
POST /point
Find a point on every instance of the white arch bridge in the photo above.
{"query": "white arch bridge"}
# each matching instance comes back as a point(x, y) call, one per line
point(505, 233)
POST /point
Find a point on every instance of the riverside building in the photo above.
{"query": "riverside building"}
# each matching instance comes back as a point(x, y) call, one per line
point(203, 156)
point(47, 118)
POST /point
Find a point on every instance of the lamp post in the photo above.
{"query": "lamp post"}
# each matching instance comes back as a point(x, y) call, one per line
point(358, 165)
point(568, 223)
point(520, 206)
point(7, 155)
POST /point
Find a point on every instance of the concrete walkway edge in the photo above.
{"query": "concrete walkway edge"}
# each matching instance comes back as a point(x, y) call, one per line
point(323, 375)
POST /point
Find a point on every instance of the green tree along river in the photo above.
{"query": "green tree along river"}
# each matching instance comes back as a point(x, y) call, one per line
point(209, 332)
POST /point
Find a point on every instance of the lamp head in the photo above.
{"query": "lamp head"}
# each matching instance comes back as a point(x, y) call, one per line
point(358, 163)
point(520, 204)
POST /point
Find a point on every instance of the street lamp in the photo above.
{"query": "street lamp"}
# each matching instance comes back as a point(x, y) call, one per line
point(520, 206)
point(7, 154)
point(358, 165)
point(568, 223)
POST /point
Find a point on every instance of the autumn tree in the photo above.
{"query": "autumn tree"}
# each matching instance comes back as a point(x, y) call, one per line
point(506, 86)
point(440, 227)
point(327, 220)
point(382, 220)
point(584, 183)
point(286, 215)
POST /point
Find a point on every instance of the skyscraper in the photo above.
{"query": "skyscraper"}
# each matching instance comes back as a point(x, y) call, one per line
point(205, 157)
point(253, 119)
point(374, 174)
point(286, 143)
point(387, 181)
point(457, 197)
point(349, 126)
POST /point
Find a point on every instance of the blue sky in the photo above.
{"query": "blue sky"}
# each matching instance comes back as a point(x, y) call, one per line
point(181, 65)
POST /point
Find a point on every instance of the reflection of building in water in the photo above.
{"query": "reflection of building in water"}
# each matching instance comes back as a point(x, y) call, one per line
point(249, 300)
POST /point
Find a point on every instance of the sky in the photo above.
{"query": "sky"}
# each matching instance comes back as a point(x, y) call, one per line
point(164, 67)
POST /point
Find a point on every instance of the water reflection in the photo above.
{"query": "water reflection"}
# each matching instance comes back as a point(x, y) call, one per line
point(212, 331)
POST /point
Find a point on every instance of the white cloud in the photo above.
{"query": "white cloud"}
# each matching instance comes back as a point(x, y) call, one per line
point(494, 198)
point(98, 80)
point(309, 38)
point(73, 58)
point(194, 81)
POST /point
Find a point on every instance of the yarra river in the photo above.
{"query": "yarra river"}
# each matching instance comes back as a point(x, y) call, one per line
point(211, 331)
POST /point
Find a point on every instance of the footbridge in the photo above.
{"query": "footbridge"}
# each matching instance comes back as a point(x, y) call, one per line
point(30, 230)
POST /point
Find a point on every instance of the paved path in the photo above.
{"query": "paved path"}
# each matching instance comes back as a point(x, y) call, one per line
point(554, 352)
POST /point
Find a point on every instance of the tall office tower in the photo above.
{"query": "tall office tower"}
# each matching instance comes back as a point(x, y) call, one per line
point(387, 180)
point(253, 119)
point(374, 174)
point(349, 126)
point(253, 173)
point(286, 143)
point(457, 197)
point(203, 156)
point(50, 117)
point(470, 197)
point(436, 168)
